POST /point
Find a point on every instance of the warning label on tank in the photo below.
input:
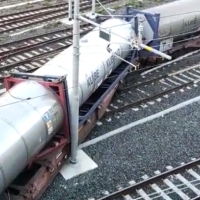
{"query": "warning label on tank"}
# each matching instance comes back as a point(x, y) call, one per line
point(49, 127)
point(48, 119)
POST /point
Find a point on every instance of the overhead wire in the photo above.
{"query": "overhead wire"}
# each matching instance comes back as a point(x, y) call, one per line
point(55, 92)
point(68, 88)
point(144, 19)
point(105, 8)
point(176, 42)
point(161, 17)
point(126, 39)
point(189, 32)
point(166, 37)
point(7, 195)
point(174, 35)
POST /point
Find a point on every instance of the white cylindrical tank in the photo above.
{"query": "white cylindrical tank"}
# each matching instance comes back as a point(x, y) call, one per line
point(96, 63)
point(31, 114)
point(26, 126)
point(176, 19)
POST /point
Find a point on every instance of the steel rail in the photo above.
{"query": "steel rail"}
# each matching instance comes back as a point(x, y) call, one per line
point(23, 14)
point(5, 55)
point(153, 97)
point(133, 189)
point(32, 20)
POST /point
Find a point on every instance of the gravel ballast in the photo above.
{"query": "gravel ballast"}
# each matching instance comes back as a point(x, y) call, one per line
point(120, 119)
point(168, 140)
point(52, 24)
point(141, 150)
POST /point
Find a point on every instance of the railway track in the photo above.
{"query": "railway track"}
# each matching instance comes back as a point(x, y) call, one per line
point(17, 21)
point(29, 54)
point(182, 182)
point(19, 53)
point(10, 48)
point(154, 90)
point(15, 17)
point(32, 17)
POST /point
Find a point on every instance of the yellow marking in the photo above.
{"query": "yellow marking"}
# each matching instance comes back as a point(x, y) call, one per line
point(80, 128)
point(148, 48)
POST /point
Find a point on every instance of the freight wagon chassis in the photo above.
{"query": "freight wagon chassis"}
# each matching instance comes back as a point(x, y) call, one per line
point(34, 180)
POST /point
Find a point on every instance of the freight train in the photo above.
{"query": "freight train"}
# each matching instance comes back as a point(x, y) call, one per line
point(34, 112)
point(169, 27)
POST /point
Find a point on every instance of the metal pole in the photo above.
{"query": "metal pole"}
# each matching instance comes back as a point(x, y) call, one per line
point(70, 10)
point(75, 85)
point(150, 49)
point(93, 7)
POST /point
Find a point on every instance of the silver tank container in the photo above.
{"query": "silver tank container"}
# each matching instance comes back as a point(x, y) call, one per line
point(176, 19)
point(26, 126)
point(96, 63)
point(31, 114)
